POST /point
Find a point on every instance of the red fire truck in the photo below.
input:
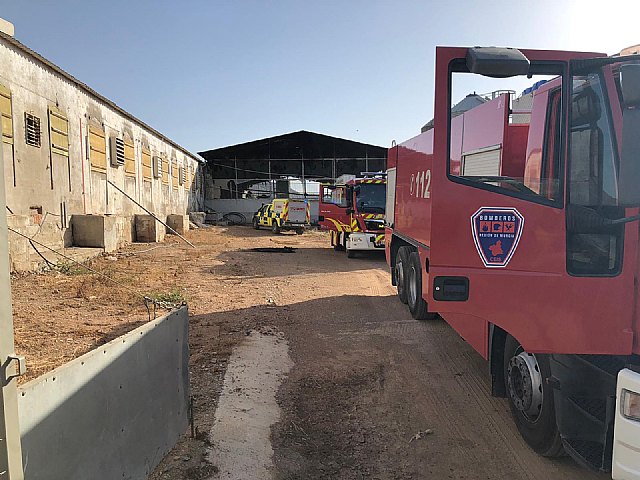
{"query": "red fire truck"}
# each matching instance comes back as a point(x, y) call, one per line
point(353, 212)
point(520, 228)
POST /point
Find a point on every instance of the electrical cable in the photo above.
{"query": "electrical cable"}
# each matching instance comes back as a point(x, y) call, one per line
point(229, 218)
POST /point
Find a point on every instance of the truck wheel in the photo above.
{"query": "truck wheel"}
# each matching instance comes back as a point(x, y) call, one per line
point(256, 224)
point(417, 305)
point(274, 227)
point(299, 231)
point(338, 246)
point(531, 399)
point(400, 271)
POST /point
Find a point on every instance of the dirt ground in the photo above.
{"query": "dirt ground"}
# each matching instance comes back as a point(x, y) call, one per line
point(372, 392)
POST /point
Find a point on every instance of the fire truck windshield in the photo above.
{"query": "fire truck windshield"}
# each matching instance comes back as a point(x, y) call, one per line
point(370, 197)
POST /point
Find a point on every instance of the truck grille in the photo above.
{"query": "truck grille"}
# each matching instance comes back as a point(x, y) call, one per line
point(374, 224)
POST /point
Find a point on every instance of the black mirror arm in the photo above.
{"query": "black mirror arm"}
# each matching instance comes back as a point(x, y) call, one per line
point(621, 221)
point(584, 218)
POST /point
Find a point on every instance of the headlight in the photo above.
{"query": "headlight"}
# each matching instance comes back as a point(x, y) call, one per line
point(630, 405)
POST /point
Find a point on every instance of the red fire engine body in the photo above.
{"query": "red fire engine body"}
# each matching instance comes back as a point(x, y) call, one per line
point(354, 213)
point(522, 236)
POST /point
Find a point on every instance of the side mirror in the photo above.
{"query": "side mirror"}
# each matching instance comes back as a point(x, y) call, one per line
point(630, 85)
point(629, 178)
point(497, 62)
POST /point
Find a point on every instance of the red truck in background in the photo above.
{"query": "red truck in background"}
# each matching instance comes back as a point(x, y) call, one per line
point(353, 211)
point(521, 230)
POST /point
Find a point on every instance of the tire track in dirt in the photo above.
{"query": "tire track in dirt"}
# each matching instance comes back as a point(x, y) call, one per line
point(426, 376)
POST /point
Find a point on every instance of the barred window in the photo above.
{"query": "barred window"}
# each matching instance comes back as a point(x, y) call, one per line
point(32, 129)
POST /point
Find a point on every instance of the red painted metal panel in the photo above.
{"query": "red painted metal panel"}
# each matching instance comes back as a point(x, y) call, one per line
point(457, 126)
point(515, 150)
point(533, 164)
point(486, 125)
point(533, 297)
point(413, 197)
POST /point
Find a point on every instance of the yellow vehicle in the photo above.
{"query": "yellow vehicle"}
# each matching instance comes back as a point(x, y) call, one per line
point(283, 214)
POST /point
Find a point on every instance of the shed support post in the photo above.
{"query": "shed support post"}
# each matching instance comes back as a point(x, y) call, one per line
point(304, 182)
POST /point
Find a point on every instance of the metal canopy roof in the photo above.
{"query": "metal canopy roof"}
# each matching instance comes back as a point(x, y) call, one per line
point(296, 146)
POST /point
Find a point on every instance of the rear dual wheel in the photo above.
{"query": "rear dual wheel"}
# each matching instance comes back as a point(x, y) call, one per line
point(401, 266)
point(417, 305)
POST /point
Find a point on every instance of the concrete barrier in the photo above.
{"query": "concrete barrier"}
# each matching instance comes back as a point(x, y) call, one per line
point(95, 231)
point(148, 229)
point(113, 412)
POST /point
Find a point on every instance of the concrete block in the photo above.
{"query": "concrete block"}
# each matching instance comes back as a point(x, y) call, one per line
point(98, 231)
point(180, 223)
point(197, 217)
point(148, 229)
point(213, 218)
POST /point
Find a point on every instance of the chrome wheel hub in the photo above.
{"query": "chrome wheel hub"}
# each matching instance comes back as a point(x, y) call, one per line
point(524, 384)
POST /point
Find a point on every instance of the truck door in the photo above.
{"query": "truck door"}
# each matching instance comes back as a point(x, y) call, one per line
point(333, 208)
point(266, 215)
point(514, 249)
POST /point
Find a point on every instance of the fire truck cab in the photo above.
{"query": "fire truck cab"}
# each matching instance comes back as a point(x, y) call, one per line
point(518, 223)
point(353, 212)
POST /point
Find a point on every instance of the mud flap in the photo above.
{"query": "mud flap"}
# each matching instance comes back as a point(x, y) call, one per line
point(584, 397)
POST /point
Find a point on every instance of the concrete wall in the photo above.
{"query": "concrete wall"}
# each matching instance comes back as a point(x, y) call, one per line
point(40, 181)
point(113, 412)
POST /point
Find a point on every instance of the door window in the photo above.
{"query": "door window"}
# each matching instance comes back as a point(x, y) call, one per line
point(592, 250)
point(335, 195)
point(489, 133)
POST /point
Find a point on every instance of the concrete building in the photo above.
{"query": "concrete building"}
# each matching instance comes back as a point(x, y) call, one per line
point(240, 178)
point(63, 143)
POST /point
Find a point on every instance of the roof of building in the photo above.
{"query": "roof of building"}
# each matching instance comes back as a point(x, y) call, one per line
point(296, 145)
point(23, 48)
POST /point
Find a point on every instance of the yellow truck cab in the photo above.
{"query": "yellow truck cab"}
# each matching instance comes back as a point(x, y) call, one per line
point(283, 214)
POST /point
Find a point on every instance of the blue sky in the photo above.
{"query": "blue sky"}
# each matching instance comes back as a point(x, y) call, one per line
point(215, 73)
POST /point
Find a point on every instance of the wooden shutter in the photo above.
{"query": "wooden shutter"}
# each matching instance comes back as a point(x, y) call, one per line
point(7, 115)
point(97, 149)
point(187, 180)
point(129, 158)
point(147, 172)
point(165, 171)
point(58, 132)
point(174, 173)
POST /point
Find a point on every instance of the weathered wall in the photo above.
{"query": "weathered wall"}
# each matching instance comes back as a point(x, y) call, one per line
point(39, 180)
point(113, 412)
